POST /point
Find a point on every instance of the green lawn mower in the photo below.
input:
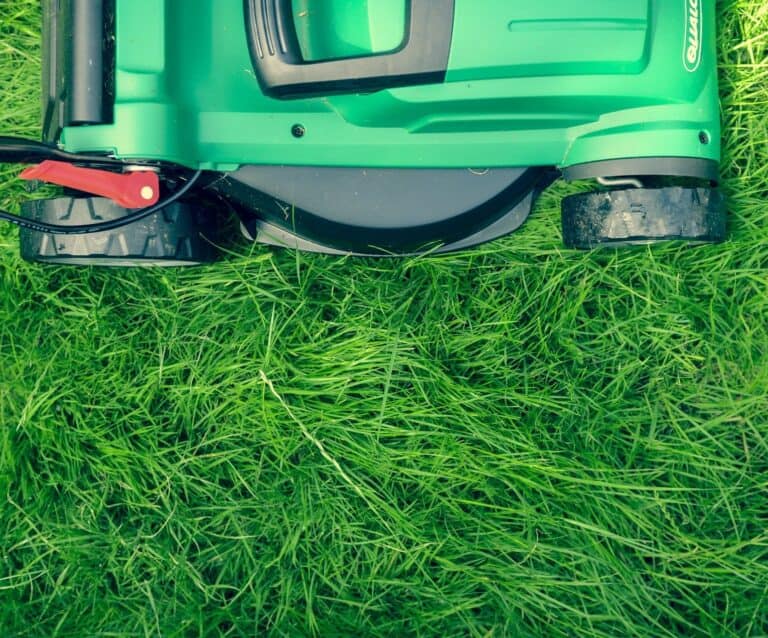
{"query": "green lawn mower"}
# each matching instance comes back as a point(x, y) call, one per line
point(371, 127)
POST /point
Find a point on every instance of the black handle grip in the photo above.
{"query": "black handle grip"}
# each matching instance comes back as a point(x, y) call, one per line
point(283, 72)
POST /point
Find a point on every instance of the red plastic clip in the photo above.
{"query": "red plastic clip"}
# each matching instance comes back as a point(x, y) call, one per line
point(139, 189)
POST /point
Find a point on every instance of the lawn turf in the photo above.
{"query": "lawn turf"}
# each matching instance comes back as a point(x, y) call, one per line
point(519, 440)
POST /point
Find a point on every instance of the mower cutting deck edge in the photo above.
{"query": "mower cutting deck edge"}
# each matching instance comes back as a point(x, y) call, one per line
point(371, 127)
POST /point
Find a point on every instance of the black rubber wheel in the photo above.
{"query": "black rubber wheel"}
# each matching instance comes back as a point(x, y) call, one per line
point(643, 216)
point(179, 235)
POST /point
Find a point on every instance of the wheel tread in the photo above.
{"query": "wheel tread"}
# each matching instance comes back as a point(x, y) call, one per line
point(644, 216)
point(177, 234)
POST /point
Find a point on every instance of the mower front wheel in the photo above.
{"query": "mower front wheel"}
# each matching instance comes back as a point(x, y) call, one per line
point(178, 235)
point(637, 216)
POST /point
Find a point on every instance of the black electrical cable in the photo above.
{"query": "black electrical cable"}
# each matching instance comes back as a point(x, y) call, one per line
point(17, 150)
point(99, 227)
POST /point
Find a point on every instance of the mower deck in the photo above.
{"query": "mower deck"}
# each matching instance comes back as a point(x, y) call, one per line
point(394, 126)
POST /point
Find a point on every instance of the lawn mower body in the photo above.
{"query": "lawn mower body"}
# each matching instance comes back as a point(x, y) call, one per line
point(385, 126)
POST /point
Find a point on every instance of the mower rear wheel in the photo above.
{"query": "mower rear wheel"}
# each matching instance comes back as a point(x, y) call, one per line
point(178, 235)
point(644, 216)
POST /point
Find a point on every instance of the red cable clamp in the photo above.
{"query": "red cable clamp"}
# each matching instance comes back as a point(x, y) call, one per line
point(139, 189)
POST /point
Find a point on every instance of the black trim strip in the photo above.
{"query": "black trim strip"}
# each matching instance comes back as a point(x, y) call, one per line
point(646, 166)
point(283, 73)
point(78, 64)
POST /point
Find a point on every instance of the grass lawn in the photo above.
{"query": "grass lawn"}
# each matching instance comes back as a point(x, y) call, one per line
point(515, 441)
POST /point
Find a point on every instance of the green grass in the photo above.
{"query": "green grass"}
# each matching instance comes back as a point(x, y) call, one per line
point(515, 441)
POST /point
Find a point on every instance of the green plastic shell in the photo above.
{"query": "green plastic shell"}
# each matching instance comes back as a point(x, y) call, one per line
point(547, 83)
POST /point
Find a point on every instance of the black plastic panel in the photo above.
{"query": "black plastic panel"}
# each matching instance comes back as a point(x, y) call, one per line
point(380, 210)
point(283, 73)
point(266, 233)
point(78, 63)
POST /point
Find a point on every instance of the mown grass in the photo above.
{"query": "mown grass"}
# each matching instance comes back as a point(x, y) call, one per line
point(515, 441)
